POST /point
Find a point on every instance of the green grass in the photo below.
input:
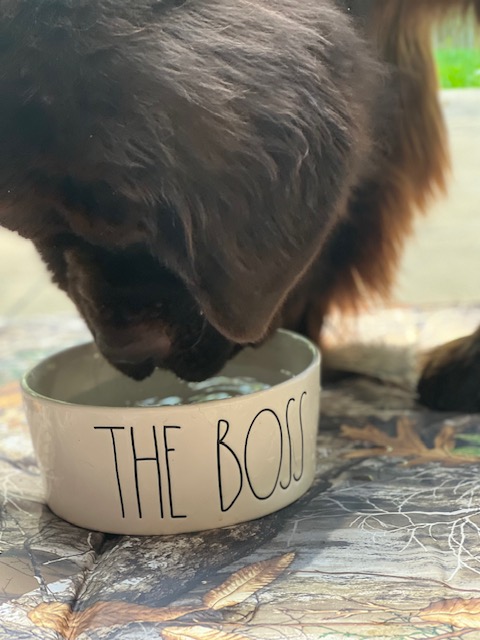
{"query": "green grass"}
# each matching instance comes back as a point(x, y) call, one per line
point(458, 67)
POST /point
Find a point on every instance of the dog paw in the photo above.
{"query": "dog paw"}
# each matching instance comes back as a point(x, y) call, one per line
point(450, 377)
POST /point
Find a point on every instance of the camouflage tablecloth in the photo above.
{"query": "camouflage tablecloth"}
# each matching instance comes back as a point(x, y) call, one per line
point(385, 544)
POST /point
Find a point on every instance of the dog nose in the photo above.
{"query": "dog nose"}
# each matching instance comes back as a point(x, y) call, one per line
point(134, 352)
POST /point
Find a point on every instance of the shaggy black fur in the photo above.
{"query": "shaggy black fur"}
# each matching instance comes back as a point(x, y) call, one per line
point(196, 173)
point(179, 165)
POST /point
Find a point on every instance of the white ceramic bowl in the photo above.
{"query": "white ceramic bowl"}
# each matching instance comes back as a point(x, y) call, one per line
point(170, 469)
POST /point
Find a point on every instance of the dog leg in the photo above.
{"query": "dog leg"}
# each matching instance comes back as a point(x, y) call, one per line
point(450, 377)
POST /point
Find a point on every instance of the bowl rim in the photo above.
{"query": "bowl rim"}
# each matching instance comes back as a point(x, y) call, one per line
point(28, 391)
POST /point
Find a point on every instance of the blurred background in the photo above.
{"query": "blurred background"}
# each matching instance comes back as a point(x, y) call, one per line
point(442, 261)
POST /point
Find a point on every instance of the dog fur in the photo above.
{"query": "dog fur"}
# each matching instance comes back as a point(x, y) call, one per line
point(196, 173)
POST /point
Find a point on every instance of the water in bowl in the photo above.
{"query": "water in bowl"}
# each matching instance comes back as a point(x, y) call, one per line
point(217, 388)
point(167, 390)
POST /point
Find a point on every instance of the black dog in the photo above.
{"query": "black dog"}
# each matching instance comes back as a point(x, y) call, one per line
point(196, 173)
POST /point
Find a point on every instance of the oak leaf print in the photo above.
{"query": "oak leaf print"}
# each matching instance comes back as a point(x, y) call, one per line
point(59, 616)
point(246, 582)
point(237, 588)
point(458, 612)
point(406, 443)
point(52, 615)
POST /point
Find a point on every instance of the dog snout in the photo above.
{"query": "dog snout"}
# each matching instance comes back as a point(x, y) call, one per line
point(135, 354)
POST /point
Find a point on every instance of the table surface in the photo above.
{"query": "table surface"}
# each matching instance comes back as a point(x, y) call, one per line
point(384, 545)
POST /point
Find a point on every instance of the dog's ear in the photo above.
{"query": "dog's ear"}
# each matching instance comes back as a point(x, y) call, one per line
point(242, 259)
point(255, 214)
point(257, 180)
